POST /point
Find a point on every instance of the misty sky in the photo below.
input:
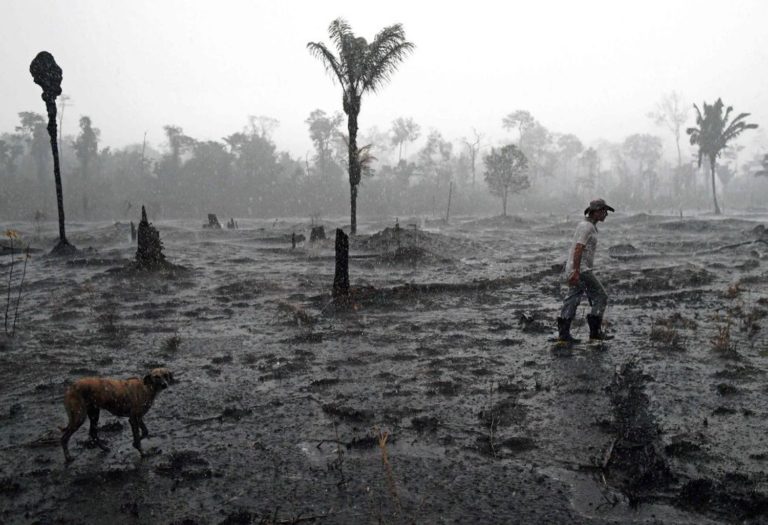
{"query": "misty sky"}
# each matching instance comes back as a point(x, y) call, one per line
point(590, 68)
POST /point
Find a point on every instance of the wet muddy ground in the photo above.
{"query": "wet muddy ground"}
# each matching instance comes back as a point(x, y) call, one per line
point(435, 398)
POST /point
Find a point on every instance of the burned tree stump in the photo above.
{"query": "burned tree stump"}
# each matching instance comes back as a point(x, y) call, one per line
point(213, 222)
point(341, 277)
point(133, 232)
point(317, 233)
point(231, 224)
point(149, 254)
point(293, 240)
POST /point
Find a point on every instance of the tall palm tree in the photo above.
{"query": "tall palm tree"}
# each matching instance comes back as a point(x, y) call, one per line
point(713, 134)
point(360, 67)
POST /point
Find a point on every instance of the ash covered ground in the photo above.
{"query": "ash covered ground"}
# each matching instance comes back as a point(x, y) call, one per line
point(436, 398)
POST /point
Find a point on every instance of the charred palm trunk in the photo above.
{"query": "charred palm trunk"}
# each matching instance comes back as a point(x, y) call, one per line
point(353, 109)
point(341, 276)
point(51, 107)
point(353, 209)
point(712, 162)
point(47, 74)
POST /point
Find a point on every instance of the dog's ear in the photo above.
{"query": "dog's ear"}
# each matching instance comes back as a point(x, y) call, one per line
point(148, 379)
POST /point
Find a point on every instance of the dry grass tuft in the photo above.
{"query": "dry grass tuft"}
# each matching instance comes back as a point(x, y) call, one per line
point(721, 342)
point(734, 290)
point(298, 314)
point(391, 483)
point(668, 337)
point(171, 344)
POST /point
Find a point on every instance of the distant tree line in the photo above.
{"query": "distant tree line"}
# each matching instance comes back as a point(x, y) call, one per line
point(404, 171)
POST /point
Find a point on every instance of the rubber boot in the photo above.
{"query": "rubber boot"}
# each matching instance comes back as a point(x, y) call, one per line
point(564, 331)
point(596, 333)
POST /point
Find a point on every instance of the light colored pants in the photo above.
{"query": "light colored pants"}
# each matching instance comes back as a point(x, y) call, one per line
point(589, 285)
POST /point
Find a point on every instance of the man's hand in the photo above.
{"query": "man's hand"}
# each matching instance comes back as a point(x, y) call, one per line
point(573, 279)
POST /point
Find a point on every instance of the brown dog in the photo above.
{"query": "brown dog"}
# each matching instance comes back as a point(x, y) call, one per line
point(129, 398)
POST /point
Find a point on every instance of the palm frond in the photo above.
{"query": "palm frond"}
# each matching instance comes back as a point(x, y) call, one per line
point(380, 71)
point(387, 50)
point(331, 63)
point(699, 118)
point(727, 114)
point(734, 131)
point(694, 134)
point(735, 128)
point(339, 30)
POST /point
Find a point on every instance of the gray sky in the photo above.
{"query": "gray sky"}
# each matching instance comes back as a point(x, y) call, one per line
point(590, 68)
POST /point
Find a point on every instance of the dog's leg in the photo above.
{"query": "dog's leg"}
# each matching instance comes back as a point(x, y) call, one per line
point(93, 431)
point(135, 421)
point(76, 419)
point(144, 431)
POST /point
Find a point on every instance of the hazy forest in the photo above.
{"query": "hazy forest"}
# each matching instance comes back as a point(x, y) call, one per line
point(409, 171)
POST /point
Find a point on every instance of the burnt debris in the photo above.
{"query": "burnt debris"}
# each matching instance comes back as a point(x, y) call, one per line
point(149, 254)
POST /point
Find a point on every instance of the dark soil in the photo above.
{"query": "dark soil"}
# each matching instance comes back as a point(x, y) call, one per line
point(431, 396)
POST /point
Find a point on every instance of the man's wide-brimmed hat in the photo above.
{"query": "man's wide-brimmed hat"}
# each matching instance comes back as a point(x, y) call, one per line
point(596, 205)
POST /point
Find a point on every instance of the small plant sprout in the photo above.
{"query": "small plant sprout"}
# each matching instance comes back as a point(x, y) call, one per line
point(171, 344)
point(721, 342)
point(10, 331)
point(733, 291)
point(666, 336)
point(382, 437)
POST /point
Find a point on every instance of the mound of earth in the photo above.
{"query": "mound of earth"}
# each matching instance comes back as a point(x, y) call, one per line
point(118, 232)
point(411, 243)
point(500, 221)
point(669, 278)
point(410, 255)
point(622, 249)
point(760, 232)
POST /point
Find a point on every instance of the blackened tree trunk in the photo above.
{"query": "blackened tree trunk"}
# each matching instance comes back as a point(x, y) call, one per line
point(47, 74)
point(353, 209)
point(712, 163)
point(149, 254)
point(352, 108)
point(341, 277)
point(51, 107)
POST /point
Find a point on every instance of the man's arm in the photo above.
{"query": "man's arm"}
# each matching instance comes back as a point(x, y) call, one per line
point(573, 279)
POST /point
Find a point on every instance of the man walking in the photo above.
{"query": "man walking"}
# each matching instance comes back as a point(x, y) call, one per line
point(581, 279)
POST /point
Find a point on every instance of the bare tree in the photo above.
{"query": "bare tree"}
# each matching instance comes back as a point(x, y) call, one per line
point(522, 121)
point(263, 125)
point(671, 113)
point(590, 163)
point(645, 150)
point(322, 129)
point(473, 148)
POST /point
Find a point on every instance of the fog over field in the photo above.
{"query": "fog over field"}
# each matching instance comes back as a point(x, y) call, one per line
point(306, 262)
point(587, 74)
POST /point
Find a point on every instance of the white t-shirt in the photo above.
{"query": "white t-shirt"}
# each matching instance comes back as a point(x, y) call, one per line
point(586, 234)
